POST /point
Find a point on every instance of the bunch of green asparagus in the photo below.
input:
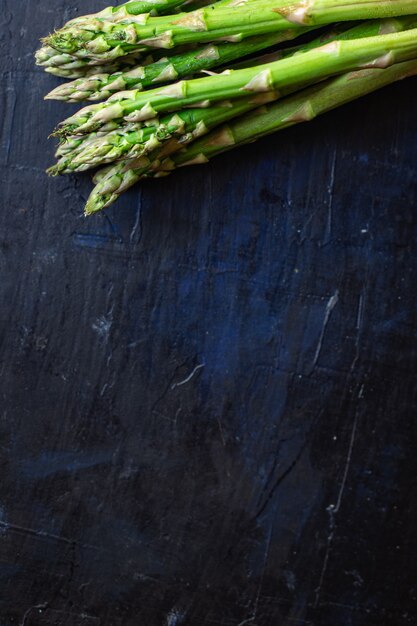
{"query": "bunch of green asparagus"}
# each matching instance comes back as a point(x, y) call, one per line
point(177, 82)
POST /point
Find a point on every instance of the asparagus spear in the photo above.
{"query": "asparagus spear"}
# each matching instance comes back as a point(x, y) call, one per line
point(82, 151)
point(136, 7)
point(92, 86)
point(134, 140)
point(301, 107)
point(102, 86)
point(69, 65)
point(74, 144)
point(85, 71)
point(50, 58)
point(332, 58)
point(133, 8)
point(128, 9)
point(218, 21)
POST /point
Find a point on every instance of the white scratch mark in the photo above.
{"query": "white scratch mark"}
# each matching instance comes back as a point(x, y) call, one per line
point(102, 326)
point(258, 594)
point(135, 343)
point(178, 411)
point(189, 377)
point(3, 528)
point(39, 607)
point(333, 510)
point(330, 189)
point(175, 617)
point(359, 317)
point(221, 431)
point(359, 321)
point(137, 226)
point(333, 300)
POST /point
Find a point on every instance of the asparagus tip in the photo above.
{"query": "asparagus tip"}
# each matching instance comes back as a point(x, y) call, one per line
point(97, 202)
point(55, 94)
point(53, 171)
point(60, 132)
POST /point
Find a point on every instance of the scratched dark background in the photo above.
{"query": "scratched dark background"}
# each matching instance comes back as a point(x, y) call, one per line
point(208, 409)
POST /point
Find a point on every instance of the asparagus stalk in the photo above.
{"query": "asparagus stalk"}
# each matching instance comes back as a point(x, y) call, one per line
point(69, 146)
point(69, 151)
point(133, 140)
point(301, 107)
point(73, 145)
point(219, 21)
point(82, 151)
point(135, 7)
point(128, 9)
point(318, 100)
point(102, 86)
point(137, 140)
point(85, 70)
point(332, 58)
point(93, 87)
point(119, 75)
point(51, 59)
point(69, 66)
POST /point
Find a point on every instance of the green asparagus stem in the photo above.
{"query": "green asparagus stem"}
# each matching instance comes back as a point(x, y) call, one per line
point(70, 66)
point(128, 9)
point(133, 140)
point(126, 74)
point(60, 64)
point(134, 7)
point(219, 21)
point(74, 144)
point(301, 107)
point(85, 151)
point(318, 99)
point(65, 71)
point(332, 58)
point(102, 86)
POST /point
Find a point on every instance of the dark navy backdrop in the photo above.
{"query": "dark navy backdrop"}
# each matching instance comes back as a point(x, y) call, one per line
point(208, 393)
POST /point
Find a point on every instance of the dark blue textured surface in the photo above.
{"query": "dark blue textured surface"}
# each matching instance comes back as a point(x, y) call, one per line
point(208, 394)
